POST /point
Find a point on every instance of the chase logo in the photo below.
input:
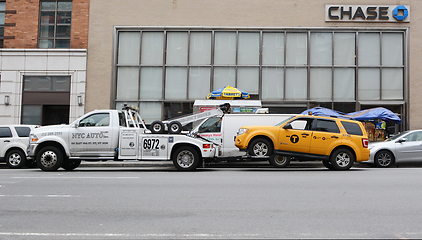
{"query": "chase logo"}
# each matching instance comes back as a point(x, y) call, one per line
point(400, 13)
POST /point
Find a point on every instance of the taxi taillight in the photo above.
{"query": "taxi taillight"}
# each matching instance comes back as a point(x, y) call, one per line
point(365, 142)
point(206, 145)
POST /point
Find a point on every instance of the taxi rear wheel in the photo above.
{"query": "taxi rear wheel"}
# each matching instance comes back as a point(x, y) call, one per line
point(260, 147)
point(342, 159)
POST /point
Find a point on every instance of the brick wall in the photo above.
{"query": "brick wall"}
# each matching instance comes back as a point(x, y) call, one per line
point(21, 30)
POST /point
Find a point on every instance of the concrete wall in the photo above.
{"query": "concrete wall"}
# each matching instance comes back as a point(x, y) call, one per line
point(105, 14)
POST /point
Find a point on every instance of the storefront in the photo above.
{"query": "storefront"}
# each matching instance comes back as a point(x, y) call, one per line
point(343, 57)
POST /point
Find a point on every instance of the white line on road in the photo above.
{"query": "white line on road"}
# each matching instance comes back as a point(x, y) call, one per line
point(50, 196)
point(60, 177)
point(136, 236)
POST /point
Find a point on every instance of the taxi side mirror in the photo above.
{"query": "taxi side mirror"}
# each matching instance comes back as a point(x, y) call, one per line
point(288, 126)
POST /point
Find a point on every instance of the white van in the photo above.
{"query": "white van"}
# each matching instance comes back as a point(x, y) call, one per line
point(224, 132)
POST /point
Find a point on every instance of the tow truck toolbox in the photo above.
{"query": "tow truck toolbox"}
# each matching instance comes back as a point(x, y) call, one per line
point(114, 135)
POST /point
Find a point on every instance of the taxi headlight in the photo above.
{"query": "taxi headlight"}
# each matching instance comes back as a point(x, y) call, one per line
point(242, 131)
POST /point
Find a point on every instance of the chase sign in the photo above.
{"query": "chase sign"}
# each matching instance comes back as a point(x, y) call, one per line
point(367, 13)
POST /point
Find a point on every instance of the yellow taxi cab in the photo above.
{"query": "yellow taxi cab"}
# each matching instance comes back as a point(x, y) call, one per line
point(337, 142)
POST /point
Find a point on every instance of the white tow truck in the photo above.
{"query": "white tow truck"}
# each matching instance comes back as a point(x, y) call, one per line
point(118, 135)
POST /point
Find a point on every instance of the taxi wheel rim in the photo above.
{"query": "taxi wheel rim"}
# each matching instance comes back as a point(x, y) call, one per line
point(15, 159)
point(48, 159)
point(185, 159)
point(343, 159)
point(384, 159)
point(260, 149)
point(280, 159)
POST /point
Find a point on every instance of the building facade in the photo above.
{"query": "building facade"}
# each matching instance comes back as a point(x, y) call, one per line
point(43, 61)
point(291, 54)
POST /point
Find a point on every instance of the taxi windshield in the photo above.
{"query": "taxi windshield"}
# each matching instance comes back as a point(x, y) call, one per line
point(285, 120)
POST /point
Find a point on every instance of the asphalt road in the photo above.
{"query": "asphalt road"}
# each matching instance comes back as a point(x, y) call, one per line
point(250, 201)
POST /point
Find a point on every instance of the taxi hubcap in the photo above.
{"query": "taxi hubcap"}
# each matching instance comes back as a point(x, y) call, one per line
point(260, 149)
point(343, 159)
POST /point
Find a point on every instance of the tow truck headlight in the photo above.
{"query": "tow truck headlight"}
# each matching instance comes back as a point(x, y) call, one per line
point(242, 131)
point(33, 138)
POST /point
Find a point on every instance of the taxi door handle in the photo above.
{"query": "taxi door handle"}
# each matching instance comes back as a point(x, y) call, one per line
point(334, 137)
point(305, 134)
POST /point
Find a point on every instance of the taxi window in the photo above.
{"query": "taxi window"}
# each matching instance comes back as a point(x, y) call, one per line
point(5, 132)
point(323, 125)
point(352, 128)
point(23, 131)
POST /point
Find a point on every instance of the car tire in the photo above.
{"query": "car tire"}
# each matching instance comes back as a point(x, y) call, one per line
point(185, 158)
point(15, 159)
point(327, 164)
point(260, 147)
point(69, 165)
point(175, 127)
point(384, 159)
point(157, 127)
point(50, 158)
point(279, 161)
point(342, 159)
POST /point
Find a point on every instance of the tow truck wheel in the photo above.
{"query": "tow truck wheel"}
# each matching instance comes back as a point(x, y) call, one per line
point(15, 159)
point(260, 147)
point(279, 161)
point(157, 127)
point(175, 127)
point(185, 158)
point(69, 165)
point(342, 159)
point(49, 159)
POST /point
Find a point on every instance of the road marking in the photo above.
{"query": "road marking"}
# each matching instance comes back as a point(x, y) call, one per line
point(135, 236)
point(49, 196)
point(61, 177)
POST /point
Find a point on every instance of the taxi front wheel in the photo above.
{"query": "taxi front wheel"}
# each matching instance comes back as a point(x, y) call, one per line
point(342, 159)
point(260, 147)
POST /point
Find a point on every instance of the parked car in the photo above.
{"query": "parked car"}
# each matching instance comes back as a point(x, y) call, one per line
point(337, 142)
point(13, 144)
point(405, 147)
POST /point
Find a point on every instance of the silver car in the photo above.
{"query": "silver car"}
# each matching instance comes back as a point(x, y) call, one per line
point(404, 147)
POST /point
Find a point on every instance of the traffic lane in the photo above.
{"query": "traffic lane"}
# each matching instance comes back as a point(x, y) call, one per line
point(221, 203)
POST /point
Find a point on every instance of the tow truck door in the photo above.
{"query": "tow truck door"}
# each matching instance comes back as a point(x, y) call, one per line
point(92, 136)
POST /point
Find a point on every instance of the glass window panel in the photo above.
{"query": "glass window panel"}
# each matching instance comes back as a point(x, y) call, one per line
point(225, 48)
point(344, 49)
point(1, 31)
point(31, 114)
point(392, 83)
point(177, 48)
point(2, 6)
point(200, 48)
point(150, 111)
point(248, 49)
point(369, 84)
point(296, 84)
point(248, 79)
point(321, 48)
point(224, 76)
point(321, 84)
point(127, 83)
point(151, 83)
point(344, 84)
point(47, 17)
point(2, 16)
point(129, 48)
point(61, 83)
point(272, 83)
point(392, 49)
point(46, 43)
point(48, 5)
point(152, 48)
point(47, 31)
point(369, 49)
point(273, 48)
point(63, 31)
point(296, 52)
point(37, 83)
point(64, 17)
point(64, 6)
point(62, 43)
point(176, 83)
point(199, 82)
